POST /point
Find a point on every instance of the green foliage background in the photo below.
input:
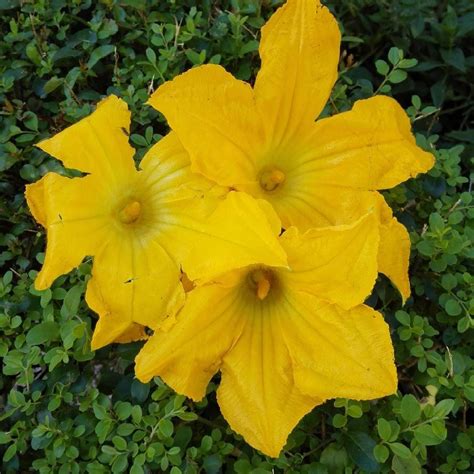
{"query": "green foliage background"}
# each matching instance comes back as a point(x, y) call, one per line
point(67, 410)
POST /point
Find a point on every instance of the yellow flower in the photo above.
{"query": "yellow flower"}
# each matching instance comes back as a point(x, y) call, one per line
point(264, 140)
point(284, 339)
point(141, 226)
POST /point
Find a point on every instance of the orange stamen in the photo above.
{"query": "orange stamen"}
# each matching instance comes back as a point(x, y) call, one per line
point(131, 212)
point(271, 179)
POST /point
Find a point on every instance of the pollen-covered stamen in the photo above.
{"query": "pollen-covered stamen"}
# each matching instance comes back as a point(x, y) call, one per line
point(261, 279)
point(271, 178)
point(130, 212)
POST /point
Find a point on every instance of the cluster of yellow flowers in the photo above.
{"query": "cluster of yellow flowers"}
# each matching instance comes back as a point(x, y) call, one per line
point(274, 218)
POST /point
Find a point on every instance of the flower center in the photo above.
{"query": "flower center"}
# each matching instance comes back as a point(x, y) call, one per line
point(130, 212)
point(271, 179)
point(261, 282)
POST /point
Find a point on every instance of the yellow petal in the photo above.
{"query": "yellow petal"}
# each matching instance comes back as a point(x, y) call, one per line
point(369, 147)
point(111, 331)
point(215, 118)
point(135, 332)
point(35, 198)
point(338, 353)
point(190, 353)
point(394, 252)
point(257, 394)
point(300, 54)
point(97, 143)
point(167, 174)
point(75, 215)
point(335, 263)
point(271, 215)
point(134, 280)
point(236, 234)
point(307, 203)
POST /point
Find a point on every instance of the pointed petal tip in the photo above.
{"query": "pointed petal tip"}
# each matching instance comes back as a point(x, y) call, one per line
point(41, 283)
point(42, 144)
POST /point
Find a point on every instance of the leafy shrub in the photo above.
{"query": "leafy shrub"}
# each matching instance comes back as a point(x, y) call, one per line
point(65, 409)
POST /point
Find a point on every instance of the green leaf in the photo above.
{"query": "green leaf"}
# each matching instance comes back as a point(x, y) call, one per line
point(410, 408)
point(125, 429)
point(464, 324)
point(212, 464)
point(360, 447)
point(381, 453)
point(109, 450)
point(384, 429)
point(9, 453)
point(119, 443)
point(449, 282)
point(395, 55)
point(339, 420)
point(436, 222)
point(102, 429)
point(136, 469)
point(123, 410)
point(120, 464)
point(72, 300)
point(194, 57)
point(333, 457)
point(400, 450)
point(454, 57)
point(407, 63)
point(424, 435)
point(140, 390)
point(138, 140)
point(406, 466)
point(443, 408)
point(52, 84)
point(137, 414)
point(100, 53)
point(354, 411)
point(151, 55)
point(43, 332)
point(166, 427)
point(397, 76)
point(109, 28)
point(382, 67)
point(452, 307)
point(416, 101)
point(403, 317)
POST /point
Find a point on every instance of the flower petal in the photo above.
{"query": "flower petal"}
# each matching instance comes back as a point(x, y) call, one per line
point(304, 202)
point(134, 332)
point(257, 394)
point(236, 234)
point(338, 353)
point(190, 353)
point(394, 255)
point(76, 217)
point(215, 118)
point(166, 172)
point(369, 147)
point(108, 329)
point(97, 143)
point(300, 54)
point(338, 263)
point(133, 280)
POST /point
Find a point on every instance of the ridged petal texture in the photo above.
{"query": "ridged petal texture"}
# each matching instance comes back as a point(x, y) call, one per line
point(140, 226)
point(265, 141)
